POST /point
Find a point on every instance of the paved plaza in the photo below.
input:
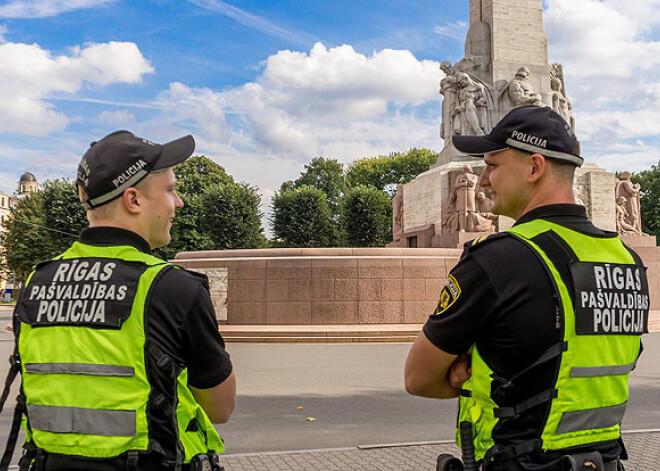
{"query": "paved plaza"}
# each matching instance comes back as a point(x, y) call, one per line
point(642, 448)
point(355, 394)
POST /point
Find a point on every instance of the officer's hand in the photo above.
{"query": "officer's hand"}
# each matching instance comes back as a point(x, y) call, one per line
point(460, 371)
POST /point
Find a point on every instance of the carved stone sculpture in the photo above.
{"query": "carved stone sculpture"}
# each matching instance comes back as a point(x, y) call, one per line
point(449, 90)
point(471, 116)
point(580, 193)
point(557, 98)
point(519, 92)
point(397, 214)
point(449, 219)
point(484, 218)
point(630, 191)
point(463, 194)
point(622, 218)
point(470, 112)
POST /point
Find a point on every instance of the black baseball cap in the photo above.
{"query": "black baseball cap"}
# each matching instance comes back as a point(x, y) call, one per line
point(534, 129)
point(121, 159)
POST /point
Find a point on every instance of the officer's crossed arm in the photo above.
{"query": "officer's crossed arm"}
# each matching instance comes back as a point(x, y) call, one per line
point(437, 365)
point(430, 372)
point(218, 402)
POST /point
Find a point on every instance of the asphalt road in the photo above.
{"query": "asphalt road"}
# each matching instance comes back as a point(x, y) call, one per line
point(355, 393)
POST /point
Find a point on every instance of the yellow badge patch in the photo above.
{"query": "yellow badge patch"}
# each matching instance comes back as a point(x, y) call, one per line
point(448, 295)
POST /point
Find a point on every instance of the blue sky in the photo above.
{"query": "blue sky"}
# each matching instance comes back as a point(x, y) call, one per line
point(265, 86)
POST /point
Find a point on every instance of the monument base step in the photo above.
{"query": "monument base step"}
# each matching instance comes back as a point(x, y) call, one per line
point(359, 333)
point(365, 333)
point(457, 239)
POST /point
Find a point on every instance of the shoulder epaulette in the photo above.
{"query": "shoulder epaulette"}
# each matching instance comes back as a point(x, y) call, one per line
point(472, 245)
point(200, 276)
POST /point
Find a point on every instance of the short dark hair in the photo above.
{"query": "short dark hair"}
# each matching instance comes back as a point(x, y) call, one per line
point(562, 170)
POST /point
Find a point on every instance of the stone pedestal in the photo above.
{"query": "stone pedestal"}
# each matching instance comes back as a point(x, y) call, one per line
point(456, 240)
point(218, 287)
point(415, 238)
point(595, 187)
point(425, 197)
point(640, 241)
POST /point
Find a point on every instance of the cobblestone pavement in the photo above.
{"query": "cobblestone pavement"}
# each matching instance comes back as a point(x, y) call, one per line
point(643, 448)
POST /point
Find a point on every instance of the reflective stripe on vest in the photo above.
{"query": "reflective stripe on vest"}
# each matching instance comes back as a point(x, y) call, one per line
point(73, 357)
point(603, 417)
point(79, 369)
point(109, 423)
point(592, 382)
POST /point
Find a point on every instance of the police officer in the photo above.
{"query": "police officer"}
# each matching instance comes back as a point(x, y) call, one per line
point(538, 327)
point(122, 363)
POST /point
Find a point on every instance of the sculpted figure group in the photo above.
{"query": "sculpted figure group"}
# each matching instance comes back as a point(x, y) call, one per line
point(471, 106)
point(628, 214)
point(468, 209)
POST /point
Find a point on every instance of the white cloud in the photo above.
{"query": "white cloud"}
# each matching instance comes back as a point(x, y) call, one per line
point(45, 8)
point(303, 101)
point(456, 31)
point(331, 102)
point(3, 31)
point(116, 119)
point(33, 74)
point(612, 65)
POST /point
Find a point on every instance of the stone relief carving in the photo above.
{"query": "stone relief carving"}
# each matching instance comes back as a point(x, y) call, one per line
point(449, 90)
point(468, 208)
point(557, 98)
point(580, 192)
point(628, 213)
point(484, 218)
point(623, 225)
point(468, 104)
point(397, 214)
point(470, 114)
point(449, 220)
point(519, 92)
point(472, 106)
point(464, 193)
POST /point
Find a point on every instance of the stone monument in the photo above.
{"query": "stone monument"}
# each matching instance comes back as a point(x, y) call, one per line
point(505, 66)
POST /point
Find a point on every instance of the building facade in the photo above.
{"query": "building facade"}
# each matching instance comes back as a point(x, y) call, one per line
point(27, 184)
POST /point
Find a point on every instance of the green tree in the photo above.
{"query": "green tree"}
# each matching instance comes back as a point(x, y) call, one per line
point(367, 217)
point(383, 172)
point(326, 175)
point(63, 212)
point(231, 218)
point(194, 176)
point(41, 226)
point(197, 174)
point(301, 218)
point(650, 198)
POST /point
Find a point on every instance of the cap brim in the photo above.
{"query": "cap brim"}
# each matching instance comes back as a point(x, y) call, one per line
point(175, 152)
point(477, 145)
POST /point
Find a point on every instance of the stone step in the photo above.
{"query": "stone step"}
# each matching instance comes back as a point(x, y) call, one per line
point(317, 339)
point(366, 333)
point(321, 333)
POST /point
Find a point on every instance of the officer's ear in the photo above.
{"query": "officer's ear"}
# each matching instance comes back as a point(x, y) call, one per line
point(132, 199)
point(538, 166)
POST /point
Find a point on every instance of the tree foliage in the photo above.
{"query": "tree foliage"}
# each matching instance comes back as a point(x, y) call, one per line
point(195, 176)
point(301, 218)
point(367, 217)
point(231, 218)
point(650, 198)
point(383, 172)
point(326, 175)
point(41, 226)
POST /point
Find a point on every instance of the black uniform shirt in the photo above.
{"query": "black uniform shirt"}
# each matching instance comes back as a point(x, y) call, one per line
point(500, 298)
point(179, 316)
